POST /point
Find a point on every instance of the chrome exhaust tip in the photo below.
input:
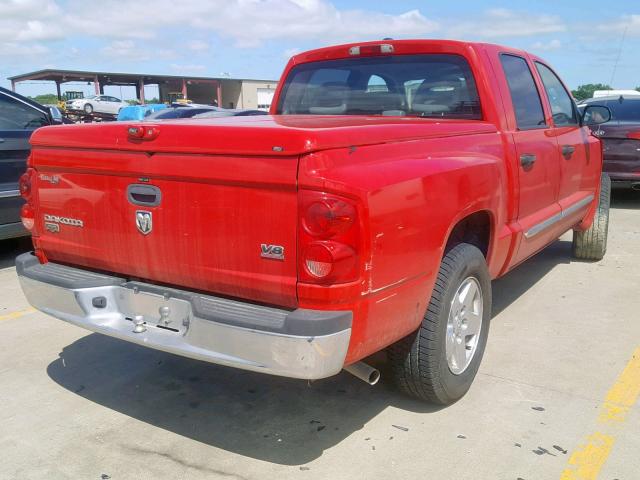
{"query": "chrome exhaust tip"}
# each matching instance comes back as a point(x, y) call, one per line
point(635, 186)
point(364, 372)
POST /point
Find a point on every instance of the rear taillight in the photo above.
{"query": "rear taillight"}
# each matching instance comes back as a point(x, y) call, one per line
point(24, 184)
point(28, 216)
point(329, 236)
point(328, 217)
point(27, 185)
point(634, 135)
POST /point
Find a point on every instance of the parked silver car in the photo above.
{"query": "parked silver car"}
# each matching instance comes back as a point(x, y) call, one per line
point(98, 104)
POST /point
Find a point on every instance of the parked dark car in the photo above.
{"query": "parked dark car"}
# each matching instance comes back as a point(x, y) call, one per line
point(620, 138)
point(230, 112)
point(19, 117)
point(200, 112)
point(180, 112)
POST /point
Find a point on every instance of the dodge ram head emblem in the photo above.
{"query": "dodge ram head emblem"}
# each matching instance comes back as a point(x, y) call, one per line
point(144, 222)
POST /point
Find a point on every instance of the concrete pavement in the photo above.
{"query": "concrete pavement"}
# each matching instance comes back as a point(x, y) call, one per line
point(77, 405)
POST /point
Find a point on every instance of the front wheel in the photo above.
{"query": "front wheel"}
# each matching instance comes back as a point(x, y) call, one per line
point(88, 108)
point(439, 362)
point(592, 243)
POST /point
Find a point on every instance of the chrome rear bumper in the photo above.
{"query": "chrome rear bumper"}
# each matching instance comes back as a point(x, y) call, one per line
point(308, 344)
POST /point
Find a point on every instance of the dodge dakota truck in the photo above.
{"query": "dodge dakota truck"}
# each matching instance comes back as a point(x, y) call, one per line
point(391, 182)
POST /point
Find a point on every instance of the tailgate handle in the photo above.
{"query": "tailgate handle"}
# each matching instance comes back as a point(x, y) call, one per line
point(144, 195)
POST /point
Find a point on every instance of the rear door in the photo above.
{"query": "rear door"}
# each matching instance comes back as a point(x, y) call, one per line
point(18, 120)
point(579, 169)
point(537, 157)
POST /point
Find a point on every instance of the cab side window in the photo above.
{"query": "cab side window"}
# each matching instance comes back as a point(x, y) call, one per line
point(562, 106)
point(524, 94)
point(15, 115)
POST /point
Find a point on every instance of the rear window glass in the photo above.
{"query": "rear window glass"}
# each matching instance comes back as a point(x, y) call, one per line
point(625, 110)
point(432, 85)
point(525, 98)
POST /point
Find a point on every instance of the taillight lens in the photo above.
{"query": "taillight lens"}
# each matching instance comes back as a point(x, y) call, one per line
point(28, 216)
point(328, 217)
point(634, 135)
point(24, 184)
point(330, 260)
point(329, 237)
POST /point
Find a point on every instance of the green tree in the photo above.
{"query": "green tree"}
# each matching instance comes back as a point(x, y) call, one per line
point(46, 99)
point(586, 91)
point(638, 89)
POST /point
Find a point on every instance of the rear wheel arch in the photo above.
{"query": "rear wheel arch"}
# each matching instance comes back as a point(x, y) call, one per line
point(475, 228)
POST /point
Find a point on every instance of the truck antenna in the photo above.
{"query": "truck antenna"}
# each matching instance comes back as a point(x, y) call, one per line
point(615, 65)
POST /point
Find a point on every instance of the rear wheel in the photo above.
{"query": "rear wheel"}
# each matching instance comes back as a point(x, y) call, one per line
point(592, 243)
point(439, 362)
point(88, 108)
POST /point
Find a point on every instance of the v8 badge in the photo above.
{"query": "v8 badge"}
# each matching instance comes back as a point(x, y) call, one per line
point(275, 252)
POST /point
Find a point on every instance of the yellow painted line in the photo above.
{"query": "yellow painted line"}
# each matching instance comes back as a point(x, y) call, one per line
point(587, 461)
point(624, 393)
point(18, 314)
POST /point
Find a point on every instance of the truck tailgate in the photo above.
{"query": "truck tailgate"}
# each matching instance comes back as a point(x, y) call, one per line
point(216, 220)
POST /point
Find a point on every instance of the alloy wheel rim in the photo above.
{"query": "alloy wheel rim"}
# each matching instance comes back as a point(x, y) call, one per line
point(464, 325)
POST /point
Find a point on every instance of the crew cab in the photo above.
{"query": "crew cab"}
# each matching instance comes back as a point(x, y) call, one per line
point(391, 182)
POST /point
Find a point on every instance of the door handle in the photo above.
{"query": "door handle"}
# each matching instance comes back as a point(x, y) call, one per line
point(567, 151)
point(527, 160)
point(1, 140)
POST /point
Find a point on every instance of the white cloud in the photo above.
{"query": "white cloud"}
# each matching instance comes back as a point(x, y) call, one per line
point(290, 52)
point(549, 46)
point(198, 46)
point(29, 20)
point(21, 9)
point(126, 50)
point(246, 22)
point(500, 22)
point(130, 50)
point(16, 50)
point(628, 23)
point(193, 68)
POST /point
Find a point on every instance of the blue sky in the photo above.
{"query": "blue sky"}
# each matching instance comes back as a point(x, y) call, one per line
point(254, 38)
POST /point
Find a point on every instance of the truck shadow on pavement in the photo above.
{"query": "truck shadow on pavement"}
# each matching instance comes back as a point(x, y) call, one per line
point(514, 284)
point(625, 198)
point(280, 420)
point(10, 249)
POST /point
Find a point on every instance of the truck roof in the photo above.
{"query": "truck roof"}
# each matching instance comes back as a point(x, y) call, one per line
point(400, 47)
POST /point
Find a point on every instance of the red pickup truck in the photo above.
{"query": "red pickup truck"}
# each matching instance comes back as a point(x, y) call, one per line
point(371, 210)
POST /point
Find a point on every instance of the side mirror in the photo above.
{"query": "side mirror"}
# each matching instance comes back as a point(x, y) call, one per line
point(56, 116)
point(595, 115)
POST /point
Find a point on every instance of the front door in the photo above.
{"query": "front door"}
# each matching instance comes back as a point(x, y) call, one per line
point(579, 172)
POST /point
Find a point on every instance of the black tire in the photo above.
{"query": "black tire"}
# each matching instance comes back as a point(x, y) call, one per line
point(592, 243)
point(418, 362)
point(88, 108)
